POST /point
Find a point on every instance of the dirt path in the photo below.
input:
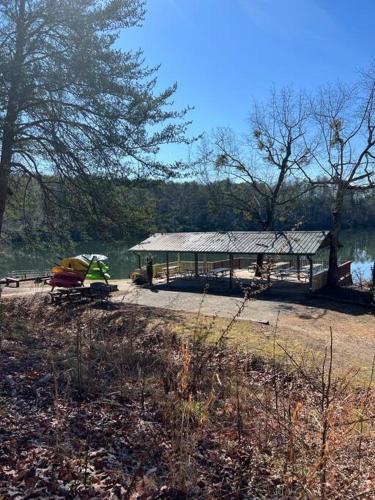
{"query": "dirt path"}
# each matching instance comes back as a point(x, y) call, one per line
point(305, 325)
point(300, 325)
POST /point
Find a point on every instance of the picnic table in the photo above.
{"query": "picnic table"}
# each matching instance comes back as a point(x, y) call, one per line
point(216, 271)
point(188, 273)
point(94, 292)
point(275, 266)
point(171, 269)
point(280, 265)
point(285, 273)
point(315, 266)
point(8, 281)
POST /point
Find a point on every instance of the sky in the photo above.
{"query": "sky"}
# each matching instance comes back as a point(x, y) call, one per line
point(224, 54)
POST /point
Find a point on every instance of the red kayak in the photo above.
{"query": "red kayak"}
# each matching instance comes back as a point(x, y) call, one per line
point(69, 276)
point(54, 282)
point(67, 279)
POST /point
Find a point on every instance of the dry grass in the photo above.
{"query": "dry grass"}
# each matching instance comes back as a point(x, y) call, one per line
point(258, 339)
point(135, 401)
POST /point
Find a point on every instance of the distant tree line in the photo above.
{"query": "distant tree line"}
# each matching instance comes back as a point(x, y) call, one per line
point(135, 209)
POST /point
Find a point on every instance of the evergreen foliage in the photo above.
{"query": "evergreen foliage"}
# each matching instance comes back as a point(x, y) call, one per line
point(73, 104)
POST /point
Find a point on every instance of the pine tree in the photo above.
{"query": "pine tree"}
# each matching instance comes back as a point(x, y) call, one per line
point(72, 104)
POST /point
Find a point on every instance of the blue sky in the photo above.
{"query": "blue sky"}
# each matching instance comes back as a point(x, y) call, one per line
point(225, 53)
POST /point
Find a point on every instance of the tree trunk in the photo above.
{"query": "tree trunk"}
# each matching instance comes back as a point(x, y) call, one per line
point(10, 120)
point(259, 265)
point(333, 278)
point(6, 159)
point(4, 181)
point(268, 225)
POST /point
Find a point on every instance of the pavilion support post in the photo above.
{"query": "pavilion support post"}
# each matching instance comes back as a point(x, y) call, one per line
point(205, 267)
point(139, 261)
point(310, 273)
point(299, 267)
point(196, 269)
point(167, 261)
point(230, 270)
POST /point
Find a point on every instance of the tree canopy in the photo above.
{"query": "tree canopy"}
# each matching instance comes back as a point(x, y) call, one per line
point(71, 102)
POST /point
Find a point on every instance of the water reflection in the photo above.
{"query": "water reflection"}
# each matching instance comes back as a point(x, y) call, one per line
point(359, 246)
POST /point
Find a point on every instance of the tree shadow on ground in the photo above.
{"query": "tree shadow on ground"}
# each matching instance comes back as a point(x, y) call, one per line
point(344, 300)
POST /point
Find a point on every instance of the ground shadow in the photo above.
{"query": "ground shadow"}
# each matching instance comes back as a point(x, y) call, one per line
point(280, 291)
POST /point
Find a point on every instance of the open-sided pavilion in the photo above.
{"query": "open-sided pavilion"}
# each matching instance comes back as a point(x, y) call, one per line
point(296, 245)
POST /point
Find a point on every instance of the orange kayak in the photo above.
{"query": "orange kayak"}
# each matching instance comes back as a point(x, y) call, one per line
point(63, 269)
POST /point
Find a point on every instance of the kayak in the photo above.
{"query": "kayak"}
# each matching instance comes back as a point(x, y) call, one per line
point(98, 269)
point(69, 276)
point(75, 263)
point(92, 257)
point(64, 283)
point(62, 269)
point(72, 271)
point(97, 276)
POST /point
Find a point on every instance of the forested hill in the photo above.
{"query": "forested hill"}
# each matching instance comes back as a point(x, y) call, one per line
point(136, 209)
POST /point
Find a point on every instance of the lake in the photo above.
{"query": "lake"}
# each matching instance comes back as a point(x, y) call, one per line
point(358, 246)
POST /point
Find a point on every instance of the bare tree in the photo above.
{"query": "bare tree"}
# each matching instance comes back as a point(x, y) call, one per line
point(345, 160)
point(278, 147)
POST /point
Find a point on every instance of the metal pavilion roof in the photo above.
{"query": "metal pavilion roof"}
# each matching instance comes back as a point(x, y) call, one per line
point(237, 242)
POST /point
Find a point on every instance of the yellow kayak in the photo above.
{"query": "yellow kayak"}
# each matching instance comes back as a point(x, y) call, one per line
point(63, 269)
point(75, 264)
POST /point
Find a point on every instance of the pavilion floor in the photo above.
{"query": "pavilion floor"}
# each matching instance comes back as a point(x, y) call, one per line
point(290, 287)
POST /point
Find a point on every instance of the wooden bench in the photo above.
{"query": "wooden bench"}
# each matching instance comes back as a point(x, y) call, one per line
point(12, 281)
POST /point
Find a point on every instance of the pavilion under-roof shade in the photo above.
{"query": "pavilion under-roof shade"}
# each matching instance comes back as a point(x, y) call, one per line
point(237, 242)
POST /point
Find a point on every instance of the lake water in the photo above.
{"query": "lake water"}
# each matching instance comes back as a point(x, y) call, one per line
point(358, 246)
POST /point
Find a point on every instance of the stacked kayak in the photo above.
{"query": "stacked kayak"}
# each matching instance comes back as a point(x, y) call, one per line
point(65, 277)
point(98, 270)
point(71, 272)
point(78, 263)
